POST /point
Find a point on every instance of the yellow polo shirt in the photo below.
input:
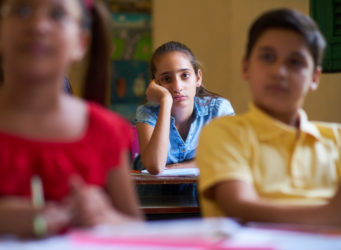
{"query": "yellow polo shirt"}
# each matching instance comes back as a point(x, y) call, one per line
point(284, 164)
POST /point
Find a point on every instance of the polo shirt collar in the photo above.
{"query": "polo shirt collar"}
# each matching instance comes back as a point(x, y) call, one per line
point(267, 127)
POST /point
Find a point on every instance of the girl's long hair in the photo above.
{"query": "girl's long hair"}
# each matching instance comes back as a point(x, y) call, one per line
point(97, 78)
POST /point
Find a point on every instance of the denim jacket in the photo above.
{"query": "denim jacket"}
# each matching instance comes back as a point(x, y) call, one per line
point(205, 109)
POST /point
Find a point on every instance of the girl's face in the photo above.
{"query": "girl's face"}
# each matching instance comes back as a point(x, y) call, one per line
point(40, 37)
point(280, 71)
point(175, 72)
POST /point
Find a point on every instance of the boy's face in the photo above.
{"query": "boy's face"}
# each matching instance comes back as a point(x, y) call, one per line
point(280, 71)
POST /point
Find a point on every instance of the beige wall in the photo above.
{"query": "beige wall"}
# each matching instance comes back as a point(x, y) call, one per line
point(216, 32)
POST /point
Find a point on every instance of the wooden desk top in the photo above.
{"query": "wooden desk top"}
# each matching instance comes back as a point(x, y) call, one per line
point(154, 179)
point(170, 210)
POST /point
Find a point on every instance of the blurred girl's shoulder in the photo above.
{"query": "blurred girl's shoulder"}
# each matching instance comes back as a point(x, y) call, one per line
point(105, 117)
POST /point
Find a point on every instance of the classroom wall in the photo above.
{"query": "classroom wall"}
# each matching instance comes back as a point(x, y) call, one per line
point(216, 32)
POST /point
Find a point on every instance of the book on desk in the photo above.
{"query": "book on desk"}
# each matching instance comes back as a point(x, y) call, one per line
point(177, 172)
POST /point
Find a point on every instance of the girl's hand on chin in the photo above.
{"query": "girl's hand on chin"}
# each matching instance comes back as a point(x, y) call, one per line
point(156, 93)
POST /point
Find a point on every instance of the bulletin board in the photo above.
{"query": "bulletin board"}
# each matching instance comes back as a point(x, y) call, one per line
point(130, 58)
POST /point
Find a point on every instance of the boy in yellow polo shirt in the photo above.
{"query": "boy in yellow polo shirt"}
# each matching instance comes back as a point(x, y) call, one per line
point(271, 163)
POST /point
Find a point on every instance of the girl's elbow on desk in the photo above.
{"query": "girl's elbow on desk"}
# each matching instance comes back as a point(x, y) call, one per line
point(152, 167)
point(155, 170)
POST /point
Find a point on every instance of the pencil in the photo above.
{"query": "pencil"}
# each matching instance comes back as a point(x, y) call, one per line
point(37, 193)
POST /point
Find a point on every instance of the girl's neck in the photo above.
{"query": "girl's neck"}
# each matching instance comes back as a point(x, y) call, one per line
point(31, 95)
point(183, 121)
point(182, 115)
point(41, 110)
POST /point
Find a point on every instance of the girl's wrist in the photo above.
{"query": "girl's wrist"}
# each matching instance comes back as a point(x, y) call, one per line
point(167, 100)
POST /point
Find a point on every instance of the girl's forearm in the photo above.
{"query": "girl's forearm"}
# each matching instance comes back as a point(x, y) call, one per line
point(154, 156)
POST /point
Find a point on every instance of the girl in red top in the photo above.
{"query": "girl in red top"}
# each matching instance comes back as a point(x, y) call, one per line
point(45, 132)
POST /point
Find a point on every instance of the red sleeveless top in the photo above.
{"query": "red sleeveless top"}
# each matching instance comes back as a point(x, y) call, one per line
point(91, 156)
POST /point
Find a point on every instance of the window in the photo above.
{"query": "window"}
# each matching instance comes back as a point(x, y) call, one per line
point(327, 14)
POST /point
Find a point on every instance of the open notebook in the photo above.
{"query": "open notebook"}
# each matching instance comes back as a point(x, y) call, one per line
point(177, 172)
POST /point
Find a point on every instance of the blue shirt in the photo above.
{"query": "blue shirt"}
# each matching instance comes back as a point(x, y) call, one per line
point(205, 109)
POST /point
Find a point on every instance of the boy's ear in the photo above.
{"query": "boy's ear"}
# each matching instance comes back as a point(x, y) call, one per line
point(245, 69)
point(315, 79)
point(199, 78)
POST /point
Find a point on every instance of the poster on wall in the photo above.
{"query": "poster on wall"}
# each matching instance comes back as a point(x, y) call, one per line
point(130, 59)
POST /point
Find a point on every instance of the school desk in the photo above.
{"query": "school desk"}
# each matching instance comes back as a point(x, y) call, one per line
point(194, 234)
point(155, 179)
point(160, 205)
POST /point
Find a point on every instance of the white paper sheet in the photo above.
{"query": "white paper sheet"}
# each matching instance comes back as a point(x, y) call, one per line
point(177, 172)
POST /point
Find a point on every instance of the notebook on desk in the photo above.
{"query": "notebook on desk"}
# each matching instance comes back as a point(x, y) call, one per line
point(177, 172)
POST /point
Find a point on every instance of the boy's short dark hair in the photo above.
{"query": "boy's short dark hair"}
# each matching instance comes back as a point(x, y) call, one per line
point(292, 20)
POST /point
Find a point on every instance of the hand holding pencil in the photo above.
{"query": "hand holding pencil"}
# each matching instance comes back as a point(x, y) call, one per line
point(37, 196)
point(50, 217)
